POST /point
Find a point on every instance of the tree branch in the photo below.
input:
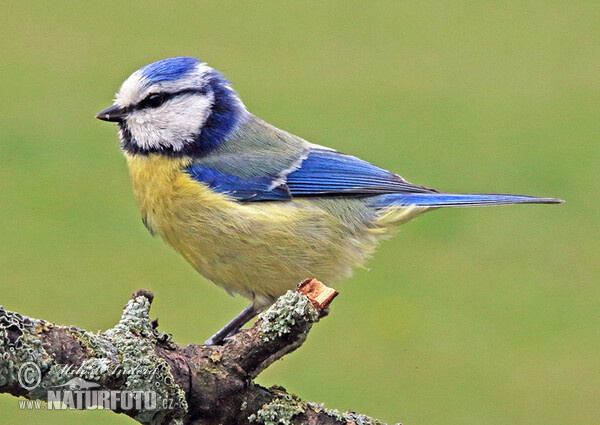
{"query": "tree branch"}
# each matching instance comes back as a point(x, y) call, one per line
point(168, 384)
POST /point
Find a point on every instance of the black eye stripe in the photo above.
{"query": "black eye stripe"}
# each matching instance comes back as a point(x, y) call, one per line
point(189, 91)
point(145, 103)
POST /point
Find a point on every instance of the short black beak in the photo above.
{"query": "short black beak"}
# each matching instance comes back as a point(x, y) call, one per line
point(113, 114)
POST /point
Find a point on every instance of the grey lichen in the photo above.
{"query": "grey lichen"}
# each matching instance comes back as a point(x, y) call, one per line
point(280, 411)
point(285, 313)
point(136, 318)
point(318, 407)
point(125, 352)
point(348, 417)
point(23, 360)
point(359, 419)
point(142, 368)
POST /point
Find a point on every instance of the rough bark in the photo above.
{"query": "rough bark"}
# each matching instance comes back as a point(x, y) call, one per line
point(195, 384)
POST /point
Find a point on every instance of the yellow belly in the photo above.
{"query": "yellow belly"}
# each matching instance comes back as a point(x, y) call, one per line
point(254, 248)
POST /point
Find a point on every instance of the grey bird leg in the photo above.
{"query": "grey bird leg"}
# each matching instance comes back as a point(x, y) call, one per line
point(233, 326)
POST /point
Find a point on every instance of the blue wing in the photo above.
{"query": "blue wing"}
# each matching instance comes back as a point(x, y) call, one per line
point(242, 189)
point(321, 173)
point(330, 173)
point(259, 162)
point(326, 173)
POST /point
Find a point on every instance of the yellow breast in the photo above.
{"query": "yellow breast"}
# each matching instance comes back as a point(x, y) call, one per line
point(256, 248)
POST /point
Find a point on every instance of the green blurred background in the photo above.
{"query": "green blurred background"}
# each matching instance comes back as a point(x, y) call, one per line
point(479, 316)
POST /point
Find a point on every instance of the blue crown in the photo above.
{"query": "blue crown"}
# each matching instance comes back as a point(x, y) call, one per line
point(169, 69)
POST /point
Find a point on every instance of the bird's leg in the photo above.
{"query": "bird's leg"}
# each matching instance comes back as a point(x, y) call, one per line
point(233, 326)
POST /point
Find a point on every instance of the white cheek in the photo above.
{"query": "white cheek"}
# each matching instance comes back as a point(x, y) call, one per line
point(172, 125)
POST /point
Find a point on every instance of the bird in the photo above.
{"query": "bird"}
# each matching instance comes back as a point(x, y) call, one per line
point(253, 208)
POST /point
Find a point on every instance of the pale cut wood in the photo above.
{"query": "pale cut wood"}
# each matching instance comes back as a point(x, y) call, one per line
point(318, 294)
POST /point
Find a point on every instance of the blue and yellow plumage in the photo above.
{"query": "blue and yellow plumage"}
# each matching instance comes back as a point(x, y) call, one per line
point(251, 207)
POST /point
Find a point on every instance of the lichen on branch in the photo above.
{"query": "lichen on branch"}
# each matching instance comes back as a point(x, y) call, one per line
point(195, 384)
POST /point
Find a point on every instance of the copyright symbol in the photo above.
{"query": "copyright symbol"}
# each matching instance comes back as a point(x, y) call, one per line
point(29, 376)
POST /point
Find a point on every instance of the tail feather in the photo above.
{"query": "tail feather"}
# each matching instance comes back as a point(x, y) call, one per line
point(457, 200)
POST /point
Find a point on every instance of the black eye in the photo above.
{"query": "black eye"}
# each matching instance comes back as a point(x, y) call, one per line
point(154, 100)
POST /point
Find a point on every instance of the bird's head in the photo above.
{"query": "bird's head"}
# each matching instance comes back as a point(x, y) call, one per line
point(177, 106)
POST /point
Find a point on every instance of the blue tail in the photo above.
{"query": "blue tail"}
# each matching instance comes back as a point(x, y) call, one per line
point(457, 200)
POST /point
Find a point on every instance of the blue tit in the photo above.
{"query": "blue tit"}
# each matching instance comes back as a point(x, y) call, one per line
point(251, 207)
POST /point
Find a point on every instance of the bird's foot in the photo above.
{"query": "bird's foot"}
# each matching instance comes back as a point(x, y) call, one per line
point(232, 327)
point(217, 340)
point(213, 341)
